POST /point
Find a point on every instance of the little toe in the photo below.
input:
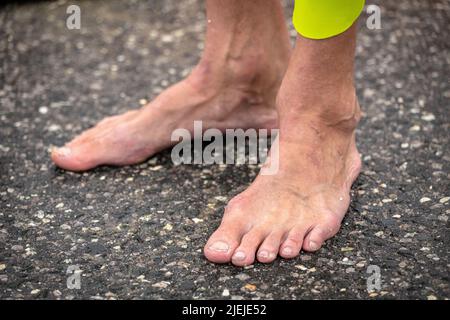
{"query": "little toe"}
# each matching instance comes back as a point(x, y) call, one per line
point(317, 236)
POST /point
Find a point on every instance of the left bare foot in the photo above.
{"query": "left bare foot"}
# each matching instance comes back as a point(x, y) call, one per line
point(303, 204)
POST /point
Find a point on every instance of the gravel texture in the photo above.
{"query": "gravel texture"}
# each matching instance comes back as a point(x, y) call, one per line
point(137, 232)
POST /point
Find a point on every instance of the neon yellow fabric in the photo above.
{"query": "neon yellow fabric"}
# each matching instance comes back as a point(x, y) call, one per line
point(320, 19)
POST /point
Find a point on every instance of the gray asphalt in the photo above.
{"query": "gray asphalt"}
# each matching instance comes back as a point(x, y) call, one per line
point(134, 231)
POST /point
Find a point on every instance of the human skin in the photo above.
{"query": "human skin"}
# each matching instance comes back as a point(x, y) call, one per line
point(236, 84)
point(303, 204)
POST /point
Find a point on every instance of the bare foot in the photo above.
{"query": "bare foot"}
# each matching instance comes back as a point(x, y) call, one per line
point(233, 86)
point(303, 204)
point(136, 135)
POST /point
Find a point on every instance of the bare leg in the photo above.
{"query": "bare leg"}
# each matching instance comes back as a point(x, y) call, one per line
point(304, 203)
point(234, 86)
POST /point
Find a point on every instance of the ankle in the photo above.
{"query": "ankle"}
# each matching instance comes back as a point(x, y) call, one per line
point(247, 44)
point(256, 71)
point(336, 109)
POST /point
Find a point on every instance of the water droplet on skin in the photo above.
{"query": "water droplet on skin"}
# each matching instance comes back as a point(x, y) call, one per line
point(341, 198)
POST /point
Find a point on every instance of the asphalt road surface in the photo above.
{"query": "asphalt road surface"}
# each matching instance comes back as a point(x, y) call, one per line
point(137, 232)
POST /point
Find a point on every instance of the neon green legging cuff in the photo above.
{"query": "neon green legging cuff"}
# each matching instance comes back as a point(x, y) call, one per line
point(320, 19)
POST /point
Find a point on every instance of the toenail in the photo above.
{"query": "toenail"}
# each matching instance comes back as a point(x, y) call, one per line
point(63, 152)
point(287, 251)
point(220, 246)
point(264, 254)
point(313, 245)
point(239, 256)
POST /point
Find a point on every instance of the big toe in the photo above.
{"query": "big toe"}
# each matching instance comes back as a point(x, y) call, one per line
point(75, 156)
point(223, 243)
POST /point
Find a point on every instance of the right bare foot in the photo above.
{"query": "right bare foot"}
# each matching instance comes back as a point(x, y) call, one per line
point(233, 86)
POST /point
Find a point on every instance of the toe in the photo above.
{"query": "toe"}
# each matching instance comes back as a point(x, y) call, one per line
point(60, 155)
point(290, 248)
point(268, 250)
point(317, 236)
point(223, 242)
point(74, 156)
point(244, 255)
point(65, 158)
